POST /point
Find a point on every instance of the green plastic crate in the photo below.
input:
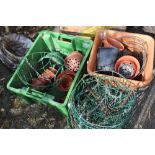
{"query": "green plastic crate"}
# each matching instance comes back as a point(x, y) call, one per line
point(48, 40)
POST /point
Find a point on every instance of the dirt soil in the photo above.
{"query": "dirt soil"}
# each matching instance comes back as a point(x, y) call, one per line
point(16, 113)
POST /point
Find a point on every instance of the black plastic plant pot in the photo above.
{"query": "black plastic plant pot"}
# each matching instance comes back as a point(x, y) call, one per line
point(106, 58)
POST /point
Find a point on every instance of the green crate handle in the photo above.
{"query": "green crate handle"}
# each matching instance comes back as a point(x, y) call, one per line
point(54, 40)
point(57, 35)
point(67, 37)
point(61, 37)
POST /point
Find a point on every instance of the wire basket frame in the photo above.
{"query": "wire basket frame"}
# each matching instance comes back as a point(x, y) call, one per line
point(138, 48)
point(100, 102)
point(36, 64)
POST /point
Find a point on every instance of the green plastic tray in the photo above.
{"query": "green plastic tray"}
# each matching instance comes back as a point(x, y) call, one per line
point(48, 40)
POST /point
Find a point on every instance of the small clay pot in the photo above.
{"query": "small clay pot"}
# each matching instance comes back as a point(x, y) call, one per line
point(73, 61)
point(128, 66)
point(52, 69)
point(66, 79)
point(36, 83)
point(45, 77)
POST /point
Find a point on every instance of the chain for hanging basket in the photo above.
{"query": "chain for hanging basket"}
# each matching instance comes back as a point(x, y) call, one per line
point(100, 102)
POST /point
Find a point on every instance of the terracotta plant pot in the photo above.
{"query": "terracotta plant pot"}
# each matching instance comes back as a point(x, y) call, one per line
point(65, 80)
point(73, 61)
point(128, 66)
point(147, 73)
point(44, 78)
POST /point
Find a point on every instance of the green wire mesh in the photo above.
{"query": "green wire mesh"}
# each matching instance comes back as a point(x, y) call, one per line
point(36, 64)
point(100, 102)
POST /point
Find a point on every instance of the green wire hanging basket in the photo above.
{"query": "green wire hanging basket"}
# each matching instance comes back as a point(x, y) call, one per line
point(100, 102)
point(34, 69)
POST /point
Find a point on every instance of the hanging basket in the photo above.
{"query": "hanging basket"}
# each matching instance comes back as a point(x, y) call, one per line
point(100, 102)
point(41, 74)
